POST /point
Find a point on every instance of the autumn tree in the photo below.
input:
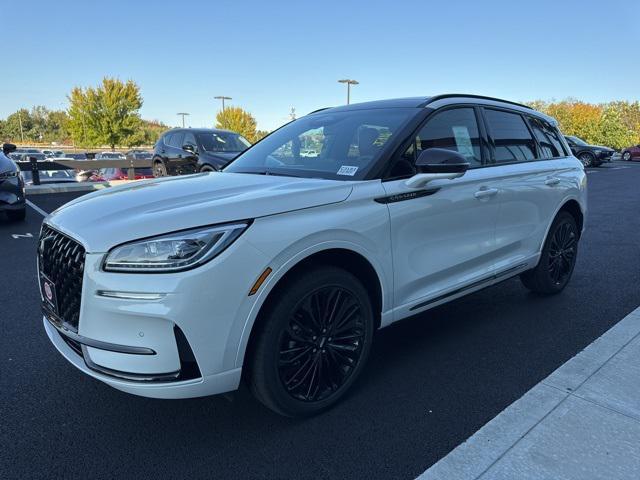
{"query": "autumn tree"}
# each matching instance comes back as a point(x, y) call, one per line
point(237, 120)
point(107, 114)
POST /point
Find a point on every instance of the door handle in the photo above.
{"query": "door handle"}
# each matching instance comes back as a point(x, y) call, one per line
point(485, 193)
point(551, 181)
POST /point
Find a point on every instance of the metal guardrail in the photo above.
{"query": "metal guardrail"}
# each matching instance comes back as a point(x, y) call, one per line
point(36, 166)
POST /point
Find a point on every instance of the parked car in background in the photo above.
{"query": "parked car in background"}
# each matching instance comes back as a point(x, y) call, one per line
point(50, 176)
point(108, 174)
point(631, 153)
point(589, 155)
point(48, 153)
point(59, 153)
point(110, 156)
point(139, 154)
point(190, 150)
point(12, 200)
point(26, 157)
point(76, 156)
point(279, 269)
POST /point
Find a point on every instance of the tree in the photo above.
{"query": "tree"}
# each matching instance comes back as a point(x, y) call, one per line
point(237, 120)
point(107, 114)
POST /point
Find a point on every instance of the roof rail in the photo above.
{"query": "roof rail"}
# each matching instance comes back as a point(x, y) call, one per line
point(481, 97)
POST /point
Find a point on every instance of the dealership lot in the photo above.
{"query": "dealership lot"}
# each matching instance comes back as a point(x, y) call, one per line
point(431, 381)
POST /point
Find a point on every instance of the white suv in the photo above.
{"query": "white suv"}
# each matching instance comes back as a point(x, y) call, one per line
point(281, 267)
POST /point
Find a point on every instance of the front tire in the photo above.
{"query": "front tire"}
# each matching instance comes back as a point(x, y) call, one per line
point(159, 169)
point(558, 257)
point(312, 342)
point(207, 169)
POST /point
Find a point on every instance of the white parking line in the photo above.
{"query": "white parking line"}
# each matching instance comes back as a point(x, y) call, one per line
point(37, 208)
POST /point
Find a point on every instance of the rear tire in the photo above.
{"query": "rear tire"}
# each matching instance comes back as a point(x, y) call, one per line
point(558, 257)
point(312, 342)
point(17, 215)
point(626, 156)
point(587, 159)
point(207, 169)
point(159, 170)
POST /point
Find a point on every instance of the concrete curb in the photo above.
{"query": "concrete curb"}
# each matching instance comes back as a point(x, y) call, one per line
point(529, 438)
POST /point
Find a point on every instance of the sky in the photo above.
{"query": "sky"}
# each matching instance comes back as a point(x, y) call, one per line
point(270, 56)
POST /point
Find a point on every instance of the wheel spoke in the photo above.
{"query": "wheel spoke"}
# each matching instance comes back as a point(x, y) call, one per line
point(321, 344)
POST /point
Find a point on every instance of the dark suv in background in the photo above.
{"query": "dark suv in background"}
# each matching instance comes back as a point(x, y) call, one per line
point(190, 150)
point(589, 155)
point(12, 200)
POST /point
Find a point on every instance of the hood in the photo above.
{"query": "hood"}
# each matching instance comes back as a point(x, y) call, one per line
point(103, 219)
point(6, 164)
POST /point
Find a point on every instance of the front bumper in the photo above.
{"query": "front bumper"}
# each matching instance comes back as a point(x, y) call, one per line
point(11, 194)
point(137, 344)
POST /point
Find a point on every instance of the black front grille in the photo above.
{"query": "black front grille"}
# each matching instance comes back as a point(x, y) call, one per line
point(61, 259)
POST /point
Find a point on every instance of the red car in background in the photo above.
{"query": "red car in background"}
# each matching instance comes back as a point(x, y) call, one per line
point(631, 153)
point(108, 174)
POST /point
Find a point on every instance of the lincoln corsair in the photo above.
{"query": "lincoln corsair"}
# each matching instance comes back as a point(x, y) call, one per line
point(278, 270)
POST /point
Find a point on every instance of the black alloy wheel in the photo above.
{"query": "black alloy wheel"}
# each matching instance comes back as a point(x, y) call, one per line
point(562, 252)
point(558, 257)
point(322, 344)
point(311, 342)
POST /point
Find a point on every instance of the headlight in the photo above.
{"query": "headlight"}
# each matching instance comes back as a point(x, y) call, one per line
point(9, 174)
point(597, 152)
point(174, 251)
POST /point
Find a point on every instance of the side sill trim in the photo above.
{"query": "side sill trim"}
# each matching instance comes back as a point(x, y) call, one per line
point(498, 276)
point(100, 345)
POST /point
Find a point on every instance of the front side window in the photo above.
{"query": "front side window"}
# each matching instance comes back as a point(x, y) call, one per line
point(511, 137)
point(189, 139)
point(333, 145)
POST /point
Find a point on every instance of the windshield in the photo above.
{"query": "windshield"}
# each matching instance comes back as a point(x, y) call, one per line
point(223, 142)
point(333, 145)
point(578, 141)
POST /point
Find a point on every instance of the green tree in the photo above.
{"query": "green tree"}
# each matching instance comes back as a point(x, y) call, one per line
point(107, 114)
point(18, 126)
point(237, 120)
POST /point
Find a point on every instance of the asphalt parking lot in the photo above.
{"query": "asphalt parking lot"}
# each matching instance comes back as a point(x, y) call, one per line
point(431, 381)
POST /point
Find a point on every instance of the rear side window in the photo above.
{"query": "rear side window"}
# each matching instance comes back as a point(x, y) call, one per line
point(511, 137)
point(167, 138)
point(547, 137)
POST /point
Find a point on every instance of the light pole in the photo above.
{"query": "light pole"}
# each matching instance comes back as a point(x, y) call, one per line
point(223, 98)
point(184, 114)
point(20, 122)
point(349, 82)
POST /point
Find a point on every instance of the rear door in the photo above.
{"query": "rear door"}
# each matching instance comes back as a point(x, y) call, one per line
point(533, 168)
point(443, 235)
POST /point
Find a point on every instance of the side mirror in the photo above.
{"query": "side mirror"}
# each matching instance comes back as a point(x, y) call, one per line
point(437, 164)
point(7, 148)
point(189, 148)
point(439, 160)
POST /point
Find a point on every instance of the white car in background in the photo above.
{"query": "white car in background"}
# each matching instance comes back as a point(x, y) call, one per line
point(279, 269)
point(110, 156)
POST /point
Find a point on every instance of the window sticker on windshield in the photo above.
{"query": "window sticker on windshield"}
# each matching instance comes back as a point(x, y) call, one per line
point(463, 141)
point(347, 170)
